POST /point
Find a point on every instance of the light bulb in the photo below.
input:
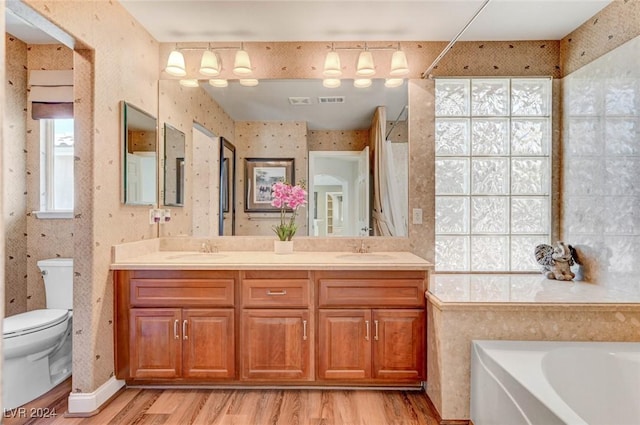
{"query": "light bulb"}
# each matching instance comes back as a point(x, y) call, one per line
point(219, 82)
point(399, 65)
point(209, 65)
point(393, 82)
point(248, 82)
point(331, 83)
point(362, 83)
point(175, 64)
point(189, 83)
point(332, 65)
point(365, 66)
point(242, 64)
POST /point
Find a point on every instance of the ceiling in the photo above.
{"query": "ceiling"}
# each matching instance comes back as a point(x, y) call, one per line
point(324, 20)
point(373, 20)
point(270, 101)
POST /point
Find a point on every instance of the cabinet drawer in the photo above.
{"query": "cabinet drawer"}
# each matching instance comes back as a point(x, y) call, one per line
point(371, 293)
point(181, 292)
point(263, 293)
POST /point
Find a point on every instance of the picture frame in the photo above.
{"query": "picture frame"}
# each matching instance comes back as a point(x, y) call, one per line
point(259, 175)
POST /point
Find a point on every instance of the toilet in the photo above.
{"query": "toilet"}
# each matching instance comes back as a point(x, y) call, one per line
point(36, 345)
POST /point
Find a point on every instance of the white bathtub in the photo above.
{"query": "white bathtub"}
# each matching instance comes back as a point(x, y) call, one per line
point(548, 383)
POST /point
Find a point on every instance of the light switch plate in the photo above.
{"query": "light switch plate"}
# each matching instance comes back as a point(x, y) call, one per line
point(417, 216)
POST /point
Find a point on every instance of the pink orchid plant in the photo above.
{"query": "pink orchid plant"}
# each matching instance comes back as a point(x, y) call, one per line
point(287, 198)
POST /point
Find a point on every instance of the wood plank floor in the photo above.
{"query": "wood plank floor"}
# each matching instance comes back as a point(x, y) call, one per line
point(243, 407)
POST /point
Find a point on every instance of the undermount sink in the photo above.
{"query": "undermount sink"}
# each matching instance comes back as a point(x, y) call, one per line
point(365, 257)
point(197, 256)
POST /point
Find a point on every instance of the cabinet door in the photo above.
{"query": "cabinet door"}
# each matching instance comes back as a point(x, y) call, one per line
point(155, 349)
point(344, 340)
point(208, 343)
point(275, 344)
point(398, 344)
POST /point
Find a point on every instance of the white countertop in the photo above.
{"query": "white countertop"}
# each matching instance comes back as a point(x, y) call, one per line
point(529, 288)
point(264, 260)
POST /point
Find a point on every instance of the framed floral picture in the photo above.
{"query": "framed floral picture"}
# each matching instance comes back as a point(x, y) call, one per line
point(259, 175)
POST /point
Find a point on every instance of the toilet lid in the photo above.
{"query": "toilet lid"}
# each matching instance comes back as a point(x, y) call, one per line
point(32, 320)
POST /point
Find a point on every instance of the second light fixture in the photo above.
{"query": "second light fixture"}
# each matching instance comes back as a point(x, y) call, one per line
point(365, 67)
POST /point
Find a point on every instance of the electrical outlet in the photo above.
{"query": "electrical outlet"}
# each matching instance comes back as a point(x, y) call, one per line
point(417, 216)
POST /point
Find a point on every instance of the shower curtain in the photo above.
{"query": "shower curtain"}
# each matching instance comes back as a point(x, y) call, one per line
point(388, 216)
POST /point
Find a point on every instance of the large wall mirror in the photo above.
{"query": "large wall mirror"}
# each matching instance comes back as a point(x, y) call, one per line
point(174, 166)
point(140, 170)
point(290, 119)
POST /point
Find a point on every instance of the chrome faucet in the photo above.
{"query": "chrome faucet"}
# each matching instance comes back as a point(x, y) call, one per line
point(363, 249)
point(208, 248)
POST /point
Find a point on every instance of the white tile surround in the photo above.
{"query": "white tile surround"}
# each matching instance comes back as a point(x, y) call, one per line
point(601, 155)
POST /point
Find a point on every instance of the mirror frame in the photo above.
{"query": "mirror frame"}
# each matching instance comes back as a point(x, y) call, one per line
point(231, 183)
point(125, 110)
point(180, 176)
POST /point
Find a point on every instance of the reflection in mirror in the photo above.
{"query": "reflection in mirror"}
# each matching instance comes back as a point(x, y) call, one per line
point(227, 188)
point(174, 148)
point(290, 118)
point(139, 134)
point(339, 193)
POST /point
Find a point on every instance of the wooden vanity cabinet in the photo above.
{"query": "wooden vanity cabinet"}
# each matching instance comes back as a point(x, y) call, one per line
point(270, 327)
point(175, 325)
point(276, 331)
point(171, 343)
point(371, 326)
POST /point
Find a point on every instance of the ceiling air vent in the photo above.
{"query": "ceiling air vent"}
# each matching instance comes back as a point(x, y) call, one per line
point(300, 101)
point(331, 99)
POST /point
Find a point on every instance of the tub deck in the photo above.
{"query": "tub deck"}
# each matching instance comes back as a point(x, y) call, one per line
point(529, 307)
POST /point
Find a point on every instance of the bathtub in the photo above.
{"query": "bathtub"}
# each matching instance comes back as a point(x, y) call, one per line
point(548, 383)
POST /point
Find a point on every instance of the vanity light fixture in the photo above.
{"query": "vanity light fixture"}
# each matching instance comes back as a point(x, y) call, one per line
point(209, 64)
point(248, 82)
point(365, 67)
point(331, 83)
point(218, 82)
point(175, 64)
point(399, 66)
point(393, 82)
point(362, 83)
point(332, 68)
point(242, 63)
point(191, 82)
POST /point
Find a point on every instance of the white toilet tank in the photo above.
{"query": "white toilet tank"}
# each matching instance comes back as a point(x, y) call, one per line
point(58, 282)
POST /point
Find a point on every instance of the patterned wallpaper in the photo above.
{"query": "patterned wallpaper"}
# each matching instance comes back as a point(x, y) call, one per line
point(338, 140)
point(14, 177)
point(616, 24)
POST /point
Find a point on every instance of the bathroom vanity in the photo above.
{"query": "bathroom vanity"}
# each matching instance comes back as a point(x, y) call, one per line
point(257, 318)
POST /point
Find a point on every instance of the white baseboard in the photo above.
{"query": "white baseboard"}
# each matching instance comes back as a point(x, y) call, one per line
point(88, 403)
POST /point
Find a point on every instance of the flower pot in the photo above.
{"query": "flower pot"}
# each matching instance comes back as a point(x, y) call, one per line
point(283, 247)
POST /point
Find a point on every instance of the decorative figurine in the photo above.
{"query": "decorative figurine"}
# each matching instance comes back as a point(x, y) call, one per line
point(556, 262)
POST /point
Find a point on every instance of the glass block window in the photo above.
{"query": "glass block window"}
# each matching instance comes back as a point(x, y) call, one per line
point(493, 173)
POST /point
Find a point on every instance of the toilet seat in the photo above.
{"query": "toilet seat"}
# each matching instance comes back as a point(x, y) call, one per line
point(32, 321)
